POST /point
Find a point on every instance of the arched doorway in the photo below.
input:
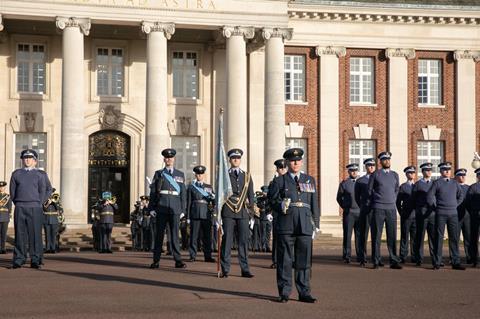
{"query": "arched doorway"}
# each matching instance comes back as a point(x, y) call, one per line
point(109, 170)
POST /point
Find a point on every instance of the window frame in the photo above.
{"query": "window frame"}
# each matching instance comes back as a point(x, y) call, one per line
point(15, 40)
point(362, 156)
point(361, 74)
point(110, 44)
point(188, 171)
point(292, 71)
point(16, 156)
point(429, 158)
point(429, 76)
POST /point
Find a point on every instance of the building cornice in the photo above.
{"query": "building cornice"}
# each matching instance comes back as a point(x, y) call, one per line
point(382, 15)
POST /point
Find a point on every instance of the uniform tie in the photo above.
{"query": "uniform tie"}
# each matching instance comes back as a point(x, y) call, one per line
point(236, 173)
point(297, 184)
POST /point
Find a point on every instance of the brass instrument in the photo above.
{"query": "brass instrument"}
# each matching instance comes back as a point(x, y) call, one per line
point(61, 217)
point(54, 198)
point(4, 200)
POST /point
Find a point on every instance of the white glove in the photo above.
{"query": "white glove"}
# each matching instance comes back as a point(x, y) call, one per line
point(315, 232)
point(270, 217)
point(219, 225)
point(153, 213)
point(188, 221)
point(181, 215)
point(252, 222)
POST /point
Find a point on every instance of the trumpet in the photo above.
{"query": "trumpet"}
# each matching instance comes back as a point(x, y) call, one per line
point(4, 200)
point(53, 199)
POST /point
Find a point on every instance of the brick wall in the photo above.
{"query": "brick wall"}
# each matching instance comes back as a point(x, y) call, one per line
point(307, 115)
point(420, 117)
point(351, 116)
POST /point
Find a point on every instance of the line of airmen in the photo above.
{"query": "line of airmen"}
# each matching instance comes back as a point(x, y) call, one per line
point(425, 205)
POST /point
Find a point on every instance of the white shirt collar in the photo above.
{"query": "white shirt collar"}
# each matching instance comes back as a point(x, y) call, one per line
point(29, 168)
point(292, 175)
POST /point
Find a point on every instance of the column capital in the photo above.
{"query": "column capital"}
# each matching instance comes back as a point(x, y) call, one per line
point(82, 23)
point(246, 32)
point(284, 33)
point(330, 50)
point(1, 23)
point(167, 28)
point(466, 54)
point(400, 53)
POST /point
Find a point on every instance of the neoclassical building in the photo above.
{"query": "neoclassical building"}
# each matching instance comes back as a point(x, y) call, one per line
point(100, 87)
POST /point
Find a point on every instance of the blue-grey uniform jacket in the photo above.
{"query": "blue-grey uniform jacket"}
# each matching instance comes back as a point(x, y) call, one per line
point(404, 200)
point(107, 211)
point(5, 210)
point(472, 201)
point(197, 204)
point(237, 187)
point(445, 196)
point(383, 189)
point(346, 195)
point(361, 192)
point(297, 220)
point(461, 209)
point(164, 199)
point(29, 188)
point(50, 214)
point(419, 193)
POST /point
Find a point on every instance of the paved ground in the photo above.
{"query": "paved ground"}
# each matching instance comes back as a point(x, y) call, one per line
point(90, 285)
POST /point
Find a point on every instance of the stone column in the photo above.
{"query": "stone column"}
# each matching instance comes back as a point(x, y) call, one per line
point(236, 110)
point(157, 135)
point(274, 97)
point(1, 23)
point(329, 127)
point(465, 125)
point(72, 171)
point(398, 136)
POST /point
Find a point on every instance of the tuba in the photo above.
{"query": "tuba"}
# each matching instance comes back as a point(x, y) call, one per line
point(4, 200)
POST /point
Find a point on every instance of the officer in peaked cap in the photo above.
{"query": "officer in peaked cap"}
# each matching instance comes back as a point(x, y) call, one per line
point(361, 197)
point(350, 212)
point(168, 201)
point(235, 212)
point(29, 189)
point(280, 169)
point(473, 206)
point(444, 197)
point(295, 200)
point(200, 199)
point(5, 212)
point(383, 188)
point(424, 215)
point(408, 228)
point(464, 218)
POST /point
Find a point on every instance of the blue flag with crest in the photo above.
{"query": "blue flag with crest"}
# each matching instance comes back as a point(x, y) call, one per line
point(223, 186)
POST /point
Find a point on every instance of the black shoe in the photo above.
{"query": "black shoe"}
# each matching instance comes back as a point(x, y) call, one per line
point(307, 299)
point(395, 266)
point(436, 267)
point(380, 264)
point(402, 261)
point(273, 266)
point(109, 251)
point(210, 260)
point(375, 266)
point(3, 252)
point(180, 265)
point(155, 265)
point(418, 264)
point(474, 265)
point(346, 261)
point(35, 266)
point(192, 259)
point(16, 266)
point(169, 253)
point(283, 299)
point(247, 275)
point(224, 274)
point(458, 267)
point(362, 264)
point(442, 265)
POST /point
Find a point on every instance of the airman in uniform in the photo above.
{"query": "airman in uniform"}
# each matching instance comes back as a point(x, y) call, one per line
point(464, 222)
point(5, 212)
point(408, 228)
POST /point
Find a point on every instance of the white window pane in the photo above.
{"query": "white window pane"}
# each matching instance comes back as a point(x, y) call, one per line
point(22, 77)
point(36, 141)
point(188, 154)
point(294, 77)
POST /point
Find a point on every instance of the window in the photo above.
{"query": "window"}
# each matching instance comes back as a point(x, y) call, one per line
point(31, 68)
point(188, 154)
point(110, 72)
point(36, 141)
point(429, 82)
point(185, 74)
point(294, 78)
point(362, 81)
point(430, 151)
point(301, 143)
point(360, 150)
